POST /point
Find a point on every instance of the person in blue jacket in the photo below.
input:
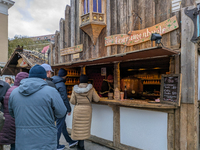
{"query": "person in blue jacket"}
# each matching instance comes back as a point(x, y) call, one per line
point(59, 81)
point(34, 105)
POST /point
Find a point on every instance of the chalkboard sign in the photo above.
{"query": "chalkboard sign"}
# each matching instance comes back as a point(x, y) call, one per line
point(170, 89)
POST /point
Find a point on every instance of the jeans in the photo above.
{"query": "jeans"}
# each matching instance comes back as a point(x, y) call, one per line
point(62, 128)
point(12, 146)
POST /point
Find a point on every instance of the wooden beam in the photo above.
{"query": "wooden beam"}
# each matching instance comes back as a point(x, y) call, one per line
point(116, 125)
point(73, 36)
point(170, 132)
point(117, 75)
point(188, 59)
point(78, 14)
point(172, 65)
point(188, 111)
point(177, 111)
point(62, 39)
point(108, 21)
point(11, 70)
point(83, 70)
point(67, 30)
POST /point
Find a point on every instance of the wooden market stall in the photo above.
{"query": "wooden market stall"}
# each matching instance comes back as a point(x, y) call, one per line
point(114, 36)
point(22, 60)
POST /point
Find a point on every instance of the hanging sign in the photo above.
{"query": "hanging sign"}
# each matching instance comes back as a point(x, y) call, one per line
point(140, 36)
point(103, 71)
point(170, 91)
point(76, 55)
point(22, 63)
point(71, 50)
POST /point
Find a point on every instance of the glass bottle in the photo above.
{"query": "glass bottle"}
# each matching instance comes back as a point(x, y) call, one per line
point(125, 93)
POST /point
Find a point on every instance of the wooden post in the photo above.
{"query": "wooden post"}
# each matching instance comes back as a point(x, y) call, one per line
point(188, 110)
point(62, 39)
point(67, 30)
point(56, 47)
point(177, 111)
point(116, 125)
point(73, 36)
point(172, 65)
point(117, 75)
point(16, 71)
point(115, 108)
point(170, 132)
point(78, 14)
point(83, 70)
point(108, 24)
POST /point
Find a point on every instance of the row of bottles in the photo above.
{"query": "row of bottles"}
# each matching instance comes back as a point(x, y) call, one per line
point(69, 90)
point(72, 80)
point(154, 76)
point(151, 82)
point(73, 72)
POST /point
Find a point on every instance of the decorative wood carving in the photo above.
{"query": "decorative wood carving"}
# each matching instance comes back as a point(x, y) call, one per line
point(93, 30)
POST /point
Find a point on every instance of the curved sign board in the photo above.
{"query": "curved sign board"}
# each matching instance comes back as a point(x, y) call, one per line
point(140, 36)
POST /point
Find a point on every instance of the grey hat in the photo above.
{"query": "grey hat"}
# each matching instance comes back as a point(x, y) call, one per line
point(47, 67)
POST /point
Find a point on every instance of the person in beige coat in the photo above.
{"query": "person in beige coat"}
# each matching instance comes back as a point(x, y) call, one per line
point(82, 96)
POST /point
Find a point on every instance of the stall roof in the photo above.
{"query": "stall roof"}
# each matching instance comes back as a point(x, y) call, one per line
point(133, 55)
point(30, 57)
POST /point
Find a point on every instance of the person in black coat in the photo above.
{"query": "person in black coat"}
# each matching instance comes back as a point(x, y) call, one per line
point(48, 69)
point(59, 82)
point(107, 86)
point(3, 89)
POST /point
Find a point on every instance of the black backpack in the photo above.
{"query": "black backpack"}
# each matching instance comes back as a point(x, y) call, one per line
point(2, 119)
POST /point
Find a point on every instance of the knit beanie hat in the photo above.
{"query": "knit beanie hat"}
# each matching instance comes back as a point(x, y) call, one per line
point(37, 71)
point(62, 72)
point(83, 78)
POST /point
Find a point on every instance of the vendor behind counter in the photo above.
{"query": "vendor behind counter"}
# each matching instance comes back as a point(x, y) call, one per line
point(107, 86)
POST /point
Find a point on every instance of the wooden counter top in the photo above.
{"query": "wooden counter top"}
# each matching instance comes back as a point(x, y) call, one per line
point(136, 103)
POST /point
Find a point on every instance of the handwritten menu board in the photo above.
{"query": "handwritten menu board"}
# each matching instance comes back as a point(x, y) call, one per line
point(170, 89)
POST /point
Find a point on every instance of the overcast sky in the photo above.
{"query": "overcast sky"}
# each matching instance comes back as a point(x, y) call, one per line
point(35, 17)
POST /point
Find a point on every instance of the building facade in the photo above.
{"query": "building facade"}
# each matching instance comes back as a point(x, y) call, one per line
point(4, 6)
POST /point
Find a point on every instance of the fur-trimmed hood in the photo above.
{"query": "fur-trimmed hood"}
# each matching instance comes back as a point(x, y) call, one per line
point(80, 90)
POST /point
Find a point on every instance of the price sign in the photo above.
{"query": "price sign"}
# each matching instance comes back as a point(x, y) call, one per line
point(170, 89)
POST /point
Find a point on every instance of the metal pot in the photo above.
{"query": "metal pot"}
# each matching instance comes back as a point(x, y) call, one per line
point(133, 86)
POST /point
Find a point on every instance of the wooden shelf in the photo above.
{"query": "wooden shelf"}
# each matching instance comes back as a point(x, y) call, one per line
point(152, 79)
point(73, 75)
point(158, 95)
point(151, 83)
point(71, 83)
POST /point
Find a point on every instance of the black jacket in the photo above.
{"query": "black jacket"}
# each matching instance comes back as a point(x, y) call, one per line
point(50, 83)
point(106, 88)
point(61, 87)
point(3, 89)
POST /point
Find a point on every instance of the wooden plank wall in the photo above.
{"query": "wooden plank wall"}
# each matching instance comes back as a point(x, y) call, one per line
point(119, 21)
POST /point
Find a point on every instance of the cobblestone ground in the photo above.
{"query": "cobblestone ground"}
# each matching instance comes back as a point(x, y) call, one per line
point(88, 146)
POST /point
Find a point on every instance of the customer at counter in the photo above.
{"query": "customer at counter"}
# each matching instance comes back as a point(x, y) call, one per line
point(82, 96)
point(107, 86)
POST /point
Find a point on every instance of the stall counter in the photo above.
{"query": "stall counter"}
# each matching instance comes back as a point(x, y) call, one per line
point(137, 103)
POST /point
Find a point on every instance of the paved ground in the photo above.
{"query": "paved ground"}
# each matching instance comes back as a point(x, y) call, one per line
point(88, 146)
